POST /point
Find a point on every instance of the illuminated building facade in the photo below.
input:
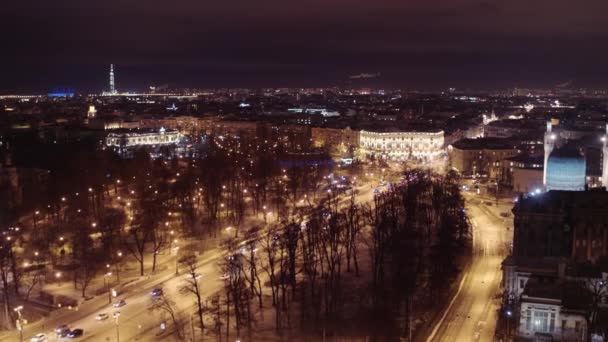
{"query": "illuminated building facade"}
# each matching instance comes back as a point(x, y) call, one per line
point(142, 138)
point(92, 113)
point(402, 145)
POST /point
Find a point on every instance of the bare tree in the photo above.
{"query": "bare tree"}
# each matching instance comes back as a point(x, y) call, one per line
point(271, 246)
point(167, 306)
point(86, 258)
point(193, 287)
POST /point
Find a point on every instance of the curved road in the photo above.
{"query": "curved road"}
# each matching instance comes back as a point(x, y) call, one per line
point(471, 315)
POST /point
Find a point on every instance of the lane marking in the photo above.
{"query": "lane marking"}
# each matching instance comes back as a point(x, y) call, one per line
point(432, 335)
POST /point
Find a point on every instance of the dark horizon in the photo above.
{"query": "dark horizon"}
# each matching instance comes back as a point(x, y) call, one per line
point(94, 79)
point(428, 45)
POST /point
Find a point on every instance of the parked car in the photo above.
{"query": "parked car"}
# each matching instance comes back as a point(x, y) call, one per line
point(76, 333)
point(39, 338)
point(101, 316)
point(120, 303)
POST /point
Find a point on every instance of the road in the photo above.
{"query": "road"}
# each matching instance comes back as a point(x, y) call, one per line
point(136, 321)
point(471, 315)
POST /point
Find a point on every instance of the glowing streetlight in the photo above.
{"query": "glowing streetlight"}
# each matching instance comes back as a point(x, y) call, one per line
point(116, 315)
point(19, 321)
point(105, 284)
point(176, 259)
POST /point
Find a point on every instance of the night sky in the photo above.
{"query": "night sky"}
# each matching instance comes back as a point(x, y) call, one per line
point(201, 43)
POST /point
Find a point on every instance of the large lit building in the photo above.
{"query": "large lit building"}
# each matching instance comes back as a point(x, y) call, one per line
point(402, 145)
point(140, 138)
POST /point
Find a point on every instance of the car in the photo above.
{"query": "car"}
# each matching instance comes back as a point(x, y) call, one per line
point(156, 292)
point(61, 328)
point(39, 338)
point(101, 316)
point(76, 333)
point(64, 333)
point(120, 303)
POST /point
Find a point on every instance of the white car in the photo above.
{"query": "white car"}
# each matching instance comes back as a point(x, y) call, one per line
point(101, 317)
point(39, 338)
point(120, 303)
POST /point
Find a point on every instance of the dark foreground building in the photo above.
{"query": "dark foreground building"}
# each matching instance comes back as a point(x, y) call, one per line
point(556, 280)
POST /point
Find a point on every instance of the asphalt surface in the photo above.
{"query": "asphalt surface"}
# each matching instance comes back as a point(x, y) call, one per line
point(136, 321)
point(471, 315)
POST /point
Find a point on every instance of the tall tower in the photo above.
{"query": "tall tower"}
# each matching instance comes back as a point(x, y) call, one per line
point(549, 145)
point(605, 159)
point(112, 86)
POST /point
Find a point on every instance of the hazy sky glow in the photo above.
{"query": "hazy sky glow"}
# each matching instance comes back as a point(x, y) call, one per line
point(316, 42)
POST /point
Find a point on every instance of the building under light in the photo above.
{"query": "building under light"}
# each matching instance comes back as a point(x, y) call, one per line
point(92, 113)
point(61, 92)
point(565, 164)
point(566, 169)
point(139, 138)
point(402, 145)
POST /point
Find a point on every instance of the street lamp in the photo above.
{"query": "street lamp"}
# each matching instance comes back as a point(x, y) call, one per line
point(176, 259)
point(509, 314)
point(116, 315)
point(58, 277)
point(117, 264)
point(19, 322)
point(105, 284)
point(36, 213)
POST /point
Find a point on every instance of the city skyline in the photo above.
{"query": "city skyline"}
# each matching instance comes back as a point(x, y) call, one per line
point(345, 170)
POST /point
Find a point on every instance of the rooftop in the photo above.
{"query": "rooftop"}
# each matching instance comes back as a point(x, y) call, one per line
point(140, 131)
point(484, 144)
point(378, 128)
point(527, 159)
point(568, 201)
point(515, 123)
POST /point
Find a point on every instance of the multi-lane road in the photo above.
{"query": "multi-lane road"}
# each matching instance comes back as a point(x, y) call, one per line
point(472, 313)
point(136, 321)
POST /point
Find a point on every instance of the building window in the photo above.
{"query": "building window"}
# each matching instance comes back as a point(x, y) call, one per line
point(522, 283)
point(541, 320)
